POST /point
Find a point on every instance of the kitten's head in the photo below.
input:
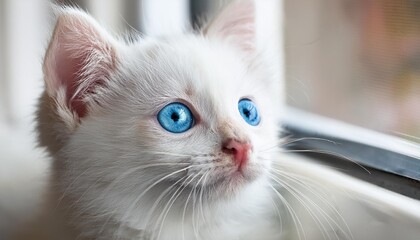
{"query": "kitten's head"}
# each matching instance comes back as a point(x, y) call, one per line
point(194, 111)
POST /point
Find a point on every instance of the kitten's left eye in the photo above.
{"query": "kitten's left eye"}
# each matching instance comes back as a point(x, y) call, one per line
point(249, 112)
point(175, 117)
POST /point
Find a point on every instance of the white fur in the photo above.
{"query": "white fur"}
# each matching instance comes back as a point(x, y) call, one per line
point(126, 177)
point(125, 135)
point(120, 175)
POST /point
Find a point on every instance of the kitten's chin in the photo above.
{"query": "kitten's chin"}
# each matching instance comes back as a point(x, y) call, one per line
point(244, 176)
point(235, 182)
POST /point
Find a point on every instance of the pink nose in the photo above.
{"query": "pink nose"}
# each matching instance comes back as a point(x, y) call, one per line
point(239, 151)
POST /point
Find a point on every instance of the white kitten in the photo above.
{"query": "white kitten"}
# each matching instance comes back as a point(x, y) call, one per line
point(161, 138)
point(173, 138)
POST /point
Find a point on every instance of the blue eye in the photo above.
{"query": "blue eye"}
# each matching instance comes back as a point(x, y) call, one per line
point(249, 112)
point(175, 117)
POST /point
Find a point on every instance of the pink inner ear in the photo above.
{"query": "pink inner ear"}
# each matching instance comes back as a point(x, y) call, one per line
point(78, 59)
point(68, 74)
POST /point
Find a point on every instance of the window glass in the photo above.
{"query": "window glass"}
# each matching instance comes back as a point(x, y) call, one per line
point(357, 61)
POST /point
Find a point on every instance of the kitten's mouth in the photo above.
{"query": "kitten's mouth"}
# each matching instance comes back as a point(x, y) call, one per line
point(237, 178)
point(217, 181)
point(215, 186)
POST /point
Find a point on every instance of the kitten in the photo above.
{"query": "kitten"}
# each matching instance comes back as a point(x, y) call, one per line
point(162, 138)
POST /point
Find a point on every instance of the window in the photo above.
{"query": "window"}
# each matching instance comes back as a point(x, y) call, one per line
point(358, 64)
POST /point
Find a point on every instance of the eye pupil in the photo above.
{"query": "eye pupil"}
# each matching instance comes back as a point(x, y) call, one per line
point(175, 117)
point(246, 113)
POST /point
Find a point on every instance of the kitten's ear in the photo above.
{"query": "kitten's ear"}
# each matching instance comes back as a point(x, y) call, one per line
point(236, 24)
point(79, 59)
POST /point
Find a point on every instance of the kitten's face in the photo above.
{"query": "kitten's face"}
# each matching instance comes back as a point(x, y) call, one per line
point(135, 122)
point(209, 79)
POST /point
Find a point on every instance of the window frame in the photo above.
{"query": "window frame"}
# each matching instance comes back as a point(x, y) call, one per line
point(384, 160)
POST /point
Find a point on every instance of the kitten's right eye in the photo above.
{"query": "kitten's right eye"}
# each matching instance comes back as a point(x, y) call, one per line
point(175, 118)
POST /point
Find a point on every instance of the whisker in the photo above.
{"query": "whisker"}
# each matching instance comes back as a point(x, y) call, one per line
point(160, 197)
point(185, 207)
point(412, 137)
point(323, 200)
point(278, 214)
point(75, 203)
point(159, 223)
point(286, 141)
point(293, 214)
point(196, 234)
point(127, 173)
point(130, 209)
point(324, 152)
point(172, 201)
point(200, 200)
point(309, 138)
point(295, 193)
point(69, 186)
point(178, 154)
point(286, 186)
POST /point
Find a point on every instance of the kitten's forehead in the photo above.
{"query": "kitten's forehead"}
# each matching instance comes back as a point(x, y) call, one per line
point(207, 74)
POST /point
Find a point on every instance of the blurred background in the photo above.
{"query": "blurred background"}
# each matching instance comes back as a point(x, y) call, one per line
point(357, 61)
